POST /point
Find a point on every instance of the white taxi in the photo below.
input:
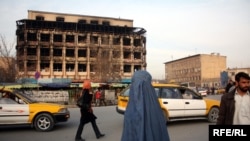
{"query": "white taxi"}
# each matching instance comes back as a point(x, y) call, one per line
point(178, 103)
point(17, 108)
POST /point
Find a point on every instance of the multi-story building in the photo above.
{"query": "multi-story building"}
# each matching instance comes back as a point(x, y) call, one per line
point(201, 70)
point(78, 47)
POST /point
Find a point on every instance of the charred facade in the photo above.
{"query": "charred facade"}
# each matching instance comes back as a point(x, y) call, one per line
point(79, 47)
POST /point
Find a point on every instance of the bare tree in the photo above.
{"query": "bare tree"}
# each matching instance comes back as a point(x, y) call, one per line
point(107, 66)
point(7, 61)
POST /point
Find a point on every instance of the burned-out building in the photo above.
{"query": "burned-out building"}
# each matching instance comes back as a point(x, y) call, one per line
point(78, 47)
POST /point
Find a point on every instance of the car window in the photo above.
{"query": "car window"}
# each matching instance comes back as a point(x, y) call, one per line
point(126, 92)
point(157, 91)
point(172, 93)
point(7, 101)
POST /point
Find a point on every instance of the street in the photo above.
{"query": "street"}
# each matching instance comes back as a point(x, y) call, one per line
point(110, 123)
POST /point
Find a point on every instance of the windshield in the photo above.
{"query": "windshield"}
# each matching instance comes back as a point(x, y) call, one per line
point(25, 96)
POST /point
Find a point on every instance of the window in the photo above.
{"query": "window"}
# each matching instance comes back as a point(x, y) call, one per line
point(93, 22)
point(39, 18)
point(82, 21)
point(59, 19)
point(106, 23)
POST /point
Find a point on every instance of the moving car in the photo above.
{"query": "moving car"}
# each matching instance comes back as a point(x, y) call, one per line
point(16, 108)
point(178, 103)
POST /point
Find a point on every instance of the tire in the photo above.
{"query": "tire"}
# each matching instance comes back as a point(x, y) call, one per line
point(44, 122)
point(213, 115)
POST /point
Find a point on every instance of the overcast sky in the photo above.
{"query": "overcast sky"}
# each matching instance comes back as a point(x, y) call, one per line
point(175, 28)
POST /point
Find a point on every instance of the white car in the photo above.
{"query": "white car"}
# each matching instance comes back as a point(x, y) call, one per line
point(202, 91)
point(178, 103)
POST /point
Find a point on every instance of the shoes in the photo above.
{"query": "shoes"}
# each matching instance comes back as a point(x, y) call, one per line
point(99, 136)
point(80, 139)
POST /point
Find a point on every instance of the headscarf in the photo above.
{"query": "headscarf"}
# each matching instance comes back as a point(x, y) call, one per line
point(143, 118)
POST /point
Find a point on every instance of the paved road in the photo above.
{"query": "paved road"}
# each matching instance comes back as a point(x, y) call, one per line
point(110, 123)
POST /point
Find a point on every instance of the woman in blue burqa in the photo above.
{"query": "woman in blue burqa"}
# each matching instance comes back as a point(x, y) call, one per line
point(143, 118)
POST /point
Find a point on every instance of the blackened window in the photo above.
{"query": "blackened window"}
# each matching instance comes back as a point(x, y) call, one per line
point(39, 18)
point(59, 19)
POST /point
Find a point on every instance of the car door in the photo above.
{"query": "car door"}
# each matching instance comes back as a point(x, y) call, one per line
point(172, 101)
point(12, 112)
point(194, 104)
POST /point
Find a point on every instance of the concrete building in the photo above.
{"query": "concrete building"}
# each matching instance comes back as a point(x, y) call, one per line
point(78, 47)
point(231, 72)
point(201, 70)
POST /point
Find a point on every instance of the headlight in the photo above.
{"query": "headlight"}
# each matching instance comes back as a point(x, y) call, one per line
point(63, 110)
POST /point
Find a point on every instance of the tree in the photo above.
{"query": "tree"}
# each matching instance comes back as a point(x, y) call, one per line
point(107, 67)
point(8, 69)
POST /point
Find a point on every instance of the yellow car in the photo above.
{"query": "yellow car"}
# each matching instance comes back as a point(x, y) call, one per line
point(16, 108)
point(178, 103)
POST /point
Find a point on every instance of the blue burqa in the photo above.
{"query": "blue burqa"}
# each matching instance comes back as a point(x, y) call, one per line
point(143, 119)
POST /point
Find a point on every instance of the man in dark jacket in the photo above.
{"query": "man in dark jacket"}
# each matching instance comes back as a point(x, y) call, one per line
point(235, 105)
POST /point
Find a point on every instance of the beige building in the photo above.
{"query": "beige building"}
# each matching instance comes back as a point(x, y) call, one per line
point(60, 45)
point(231, 72)
point(201, 70)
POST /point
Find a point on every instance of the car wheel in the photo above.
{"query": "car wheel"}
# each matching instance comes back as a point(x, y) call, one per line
point(44, 122)
point(213, 114)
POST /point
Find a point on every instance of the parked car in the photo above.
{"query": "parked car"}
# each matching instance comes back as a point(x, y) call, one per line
point(178, 103)
point(202, 91)
point(16, 108)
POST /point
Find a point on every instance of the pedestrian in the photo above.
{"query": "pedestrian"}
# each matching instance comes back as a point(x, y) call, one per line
point(87, 115)
point(229, 85)
point(97, 97)
point(102, 98)
point(143, 119)
point(235, 105)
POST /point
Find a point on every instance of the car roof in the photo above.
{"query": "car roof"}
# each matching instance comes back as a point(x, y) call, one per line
point(165, 85)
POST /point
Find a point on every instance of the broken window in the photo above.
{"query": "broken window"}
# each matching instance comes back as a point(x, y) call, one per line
point(106, 23)
point(44, 66)
point(82, 39)
point(70, 67)
point(116, 41)
point(92, 68)
point(70, 38)
point(82, 68)
point(127, 68)
point(57, 38)
point(21, 65)
point(82, 21)
point(82, 53)
point(44, 51)
point(70, 52)
point(39, 18)
point(31, 51)
point(137, 55)
point(105, 40)
point(57, 67)
point(57, 52)
point(126, 41)
point(94, 39)
point(116, 54)
point(93, 53)
point(21, 37)
point(31, 65)
point(93, 22)
point(137, 67)
point(59, 19)
point(31, 37)
point(137, 42)
point(126, 55)
point(45, 37)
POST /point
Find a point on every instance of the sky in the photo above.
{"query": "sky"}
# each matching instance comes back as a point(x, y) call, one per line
point(175, 28)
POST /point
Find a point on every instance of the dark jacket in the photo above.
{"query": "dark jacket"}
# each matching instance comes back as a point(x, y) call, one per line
point(227, 108)
point(87, 114)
